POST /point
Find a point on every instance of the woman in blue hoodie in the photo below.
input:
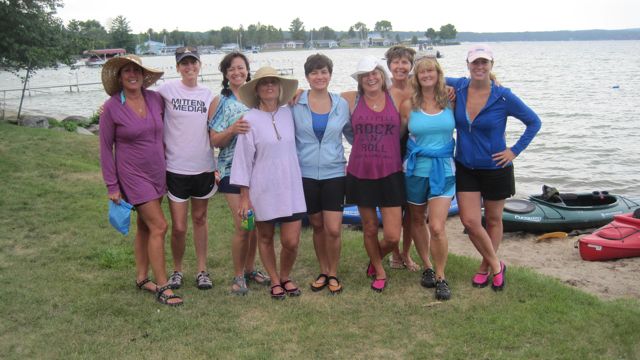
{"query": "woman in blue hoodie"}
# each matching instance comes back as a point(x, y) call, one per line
point(321, 118)
point(484, 169)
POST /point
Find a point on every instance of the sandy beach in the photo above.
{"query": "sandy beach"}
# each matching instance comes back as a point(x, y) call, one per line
point(560, 259)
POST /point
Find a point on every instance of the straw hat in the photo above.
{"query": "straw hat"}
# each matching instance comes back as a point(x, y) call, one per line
point(249, 97)
point(110, 71)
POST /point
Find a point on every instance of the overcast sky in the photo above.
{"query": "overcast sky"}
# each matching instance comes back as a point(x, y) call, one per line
point(407, 15)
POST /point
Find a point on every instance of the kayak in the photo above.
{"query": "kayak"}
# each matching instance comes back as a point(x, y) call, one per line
point(553, 211)
point(351, 215)
point(618, 239)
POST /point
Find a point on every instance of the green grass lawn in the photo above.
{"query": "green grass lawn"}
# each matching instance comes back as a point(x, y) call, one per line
point(67, 289)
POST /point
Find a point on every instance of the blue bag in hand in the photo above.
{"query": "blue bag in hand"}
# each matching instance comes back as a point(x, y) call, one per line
point(120, 215)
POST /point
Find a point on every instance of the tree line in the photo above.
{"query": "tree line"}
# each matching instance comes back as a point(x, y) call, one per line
point(33, 37)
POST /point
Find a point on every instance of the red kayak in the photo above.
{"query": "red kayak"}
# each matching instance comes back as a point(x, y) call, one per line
point(618, 239)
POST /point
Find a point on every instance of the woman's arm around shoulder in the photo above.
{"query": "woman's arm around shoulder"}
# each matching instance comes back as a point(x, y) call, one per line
point(350, 97)
point(405, 111)
point(343, 110)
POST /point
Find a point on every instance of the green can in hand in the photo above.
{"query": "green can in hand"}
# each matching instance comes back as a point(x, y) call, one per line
point(249, 222)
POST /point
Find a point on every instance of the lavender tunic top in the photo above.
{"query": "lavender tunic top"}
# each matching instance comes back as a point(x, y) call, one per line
point(132, 150)
point(268, 166)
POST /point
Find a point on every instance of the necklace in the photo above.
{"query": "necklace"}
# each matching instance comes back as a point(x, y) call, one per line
point(135, 103)
point(273, 122)
point(374, 103)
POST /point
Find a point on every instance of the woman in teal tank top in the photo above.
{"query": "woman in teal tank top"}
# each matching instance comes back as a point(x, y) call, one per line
point(429, 169)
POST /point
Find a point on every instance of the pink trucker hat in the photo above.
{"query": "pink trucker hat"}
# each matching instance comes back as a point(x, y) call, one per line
point(479, 51)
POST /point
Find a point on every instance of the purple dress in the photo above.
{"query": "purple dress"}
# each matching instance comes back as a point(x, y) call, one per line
point(268, 166)
point(132, 149)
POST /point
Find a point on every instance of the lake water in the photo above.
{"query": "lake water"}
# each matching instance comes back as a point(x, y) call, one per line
point(586, 94)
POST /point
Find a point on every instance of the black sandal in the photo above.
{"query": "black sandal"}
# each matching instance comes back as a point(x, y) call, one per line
point(279, 296)
point(164, 298)
point(324, 283)
point(141, 285)
point(291, 292)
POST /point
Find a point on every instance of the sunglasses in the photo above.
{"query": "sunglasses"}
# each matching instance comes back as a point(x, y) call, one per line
point(186, 49)
point(268, 81)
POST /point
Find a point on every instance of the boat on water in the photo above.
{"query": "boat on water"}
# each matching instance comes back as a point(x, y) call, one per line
point(555, 211)
point(429, 51)
point(97, 58)
point(618, 239)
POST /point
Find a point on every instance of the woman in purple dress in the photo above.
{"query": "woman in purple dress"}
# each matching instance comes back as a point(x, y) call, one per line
point(265, 167)
point(133, 163)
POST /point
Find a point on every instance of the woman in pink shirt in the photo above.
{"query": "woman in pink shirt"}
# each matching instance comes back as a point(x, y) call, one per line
point(374, 171)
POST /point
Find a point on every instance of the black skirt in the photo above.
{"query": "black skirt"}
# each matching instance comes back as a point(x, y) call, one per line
point(385, 192)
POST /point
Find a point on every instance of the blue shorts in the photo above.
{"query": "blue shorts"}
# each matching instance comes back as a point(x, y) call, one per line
point(418, 191)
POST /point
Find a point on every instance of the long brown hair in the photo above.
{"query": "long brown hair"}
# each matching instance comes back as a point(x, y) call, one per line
point(440, 91)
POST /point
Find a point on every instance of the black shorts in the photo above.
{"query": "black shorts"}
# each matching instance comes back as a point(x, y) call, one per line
point(226, 188)
point(287, 219)
point(494, 184)
point(385, 192)
point(182, 187)
point(324, 195)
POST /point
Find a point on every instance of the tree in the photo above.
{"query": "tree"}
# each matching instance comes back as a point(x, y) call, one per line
point(228, 35)
point(297, 30)
point(448, 32)
point(351, 32)
point(120, 34)
point(362, 30)
point(326, 33)
point(414, 40)
point(32, 37)
point(383, 27)
point(431, 34)
point(86, 35)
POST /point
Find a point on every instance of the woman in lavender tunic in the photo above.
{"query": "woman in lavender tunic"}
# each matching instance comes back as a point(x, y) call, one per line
point(265, 167)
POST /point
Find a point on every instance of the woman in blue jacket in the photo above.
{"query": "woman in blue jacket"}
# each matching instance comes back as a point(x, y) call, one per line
point(484, 169)
point(321, 118)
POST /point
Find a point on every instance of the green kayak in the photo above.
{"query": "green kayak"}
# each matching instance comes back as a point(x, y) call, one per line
point(553, 211)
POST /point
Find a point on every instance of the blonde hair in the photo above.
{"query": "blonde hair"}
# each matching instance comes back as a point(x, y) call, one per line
point(440, 90)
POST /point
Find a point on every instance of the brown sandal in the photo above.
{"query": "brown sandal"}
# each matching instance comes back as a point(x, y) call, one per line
point(141, 285)
point(278, 296)
point(164, 298)
point(334, 289)
point(323, 284)
point(291, 292)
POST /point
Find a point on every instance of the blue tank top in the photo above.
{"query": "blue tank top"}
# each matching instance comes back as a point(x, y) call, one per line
point(319, 123)
point(431, 132)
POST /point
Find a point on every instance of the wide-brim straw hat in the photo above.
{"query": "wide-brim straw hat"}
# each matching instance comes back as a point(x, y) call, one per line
point(249, 96)
point(111, 70)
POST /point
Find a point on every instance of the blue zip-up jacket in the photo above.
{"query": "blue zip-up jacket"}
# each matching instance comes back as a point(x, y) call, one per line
point(322, 160)
point(485, 136)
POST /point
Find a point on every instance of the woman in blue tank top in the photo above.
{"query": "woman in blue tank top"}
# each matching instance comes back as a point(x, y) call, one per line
point(429, 169)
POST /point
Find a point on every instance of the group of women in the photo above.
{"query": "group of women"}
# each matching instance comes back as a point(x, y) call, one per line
point(281, 163)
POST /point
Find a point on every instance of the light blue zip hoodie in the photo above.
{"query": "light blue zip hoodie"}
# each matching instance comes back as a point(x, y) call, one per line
point(322, 160)
point(477, 141)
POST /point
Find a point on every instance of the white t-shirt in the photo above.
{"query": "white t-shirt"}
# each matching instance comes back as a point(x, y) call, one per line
point(186, 136)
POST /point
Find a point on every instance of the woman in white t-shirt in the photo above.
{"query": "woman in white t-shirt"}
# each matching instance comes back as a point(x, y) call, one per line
point(190, 162)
